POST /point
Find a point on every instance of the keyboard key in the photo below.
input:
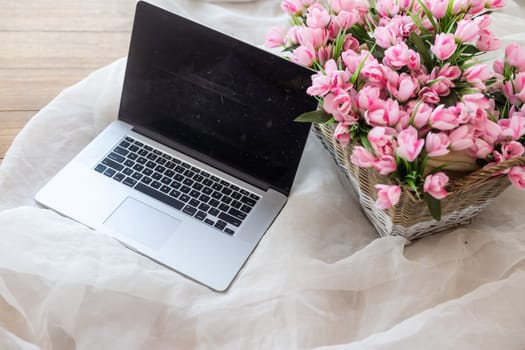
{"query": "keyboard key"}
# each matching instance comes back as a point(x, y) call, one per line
point(156, 184)
point(175, 160)
point(169, 173)
point(225, 183)
point(110, 172)
point(246, 193)
point(149, 148)
point(248, 201)
point(152, 156)
point(184, 197)
point(200, 215)
point(216, 186)
point(224, 207)
point(161, 161)
point(129, 182)
point(121, 151)
point(138, 143)
point(197, 186)
point(236, 195)
point(128, 171)
point(124, 144)
point(146, 180)
point(207, 182)
point(236, 204)
point(160, 168)
point(151, 165)
point(142, 160)
point(204, 207)
point(143, 152)
point(254, 196)
point(207, 190)
point(175, 184)
point(189, 173)
point(129, 139)
point(195, 194)
point(170, 165)
point(174, 193)
point(129, 163)
point(165, 189)
point(188, 182)
point(156, 176)
point(157, 152)
point(119, 177)
point(230, 219)
point(133, 148)
point(194, 202)
point(198, 178)
point(205, 174)
point(137, 176)
point(160, 196)
point(213, 212)
point(237, 214)
point(229, 231)
point(215, 178)
point(185, 189)
point(100, 168)
point(226, 191)
point(246, 209)
point(180, 169)
point(204, 198)
point(178, 177)
point(133, 156)
point(233, 187)
point(166, 180)
point(138, 167)
point(166, 156)
point(147, 172)
point(214, 203)
point(220, 224)
point(185, 165)
point(216, 195)
point(112, 164)
point(209, 221)
point(226, 200)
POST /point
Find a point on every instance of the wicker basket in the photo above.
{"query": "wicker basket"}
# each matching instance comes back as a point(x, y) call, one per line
point(410, 217)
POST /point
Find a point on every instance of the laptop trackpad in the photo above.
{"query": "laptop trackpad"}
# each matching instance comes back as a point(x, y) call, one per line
point(142, 223)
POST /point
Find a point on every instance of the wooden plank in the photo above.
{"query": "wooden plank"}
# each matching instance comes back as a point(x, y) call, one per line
point(61, 49)
point(32, 89)
point(66, 15)
point(10, 125)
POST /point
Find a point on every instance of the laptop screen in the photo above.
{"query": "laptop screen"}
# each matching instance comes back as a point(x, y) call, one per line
point(215, 98)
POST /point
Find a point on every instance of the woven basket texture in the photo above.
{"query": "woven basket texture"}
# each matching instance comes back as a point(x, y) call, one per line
point(410, 218)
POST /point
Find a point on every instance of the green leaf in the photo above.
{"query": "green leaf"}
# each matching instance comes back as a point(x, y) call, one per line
point(291, 48)
point(317, 116)
point(434, 206)
point(421, 49)
point(429, 14)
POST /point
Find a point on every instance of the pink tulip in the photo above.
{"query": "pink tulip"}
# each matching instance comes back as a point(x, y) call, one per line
point(414, 60)
point(374, 74)
point(466, 31)
point(407, 88)
point(482, 21)
point(382, 140)
point(317, 16)
point(513, 127)
point(315, 37)
point(397, 56)
point(387, 8)
point(437, 144)
point(494, 4)
point(387, 196)
point(444, 46)
point(346, 19)
point(409, 146)
point(435, 185)
point(304, 55)
point(498, 66)
point(517, 176)
point(512, 149)
point(461, 138)
point(487, 41)
point(515, 56)
point(385, 165)
point(480, 149)
point(275, 37)
point(422, 114)
point(293, 7)
point(321, 85)
point(362, 158)
point(444, 118)
point(477, 74)
point(437, 7)
point(348, 5)
point(342, 134)
point(338, 103)
point(366, 96)
point(383, 113)
point(385, 37)
point(429, 95)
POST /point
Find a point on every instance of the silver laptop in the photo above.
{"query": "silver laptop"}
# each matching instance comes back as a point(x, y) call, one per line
point(203, 154)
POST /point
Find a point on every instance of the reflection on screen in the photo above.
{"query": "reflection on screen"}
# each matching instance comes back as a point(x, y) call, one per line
point(216, 96)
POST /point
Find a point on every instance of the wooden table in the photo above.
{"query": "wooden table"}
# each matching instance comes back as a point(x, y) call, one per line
point(47, 45)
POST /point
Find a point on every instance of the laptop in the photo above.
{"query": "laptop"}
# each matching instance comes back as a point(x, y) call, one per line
point(203, 155)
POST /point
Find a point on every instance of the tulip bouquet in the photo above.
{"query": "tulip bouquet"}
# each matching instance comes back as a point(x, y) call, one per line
point(402, 83)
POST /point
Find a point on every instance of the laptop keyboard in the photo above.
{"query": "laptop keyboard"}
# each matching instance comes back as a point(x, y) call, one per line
point(184, 187)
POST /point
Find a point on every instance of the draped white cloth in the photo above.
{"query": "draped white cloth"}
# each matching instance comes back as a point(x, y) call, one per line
point(320, 278)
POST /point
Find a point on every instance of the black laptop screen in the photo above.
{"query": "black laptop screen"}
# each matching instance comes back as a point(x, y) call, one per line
point(218, 99)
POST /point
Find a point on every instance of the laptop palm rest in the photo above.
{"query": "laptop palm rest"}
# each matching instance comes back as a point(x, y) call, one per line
point(142, 223)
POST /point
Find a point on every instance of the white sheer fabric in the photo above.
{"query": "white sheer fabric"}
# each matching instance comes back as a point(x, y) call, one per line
point(319, 278)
